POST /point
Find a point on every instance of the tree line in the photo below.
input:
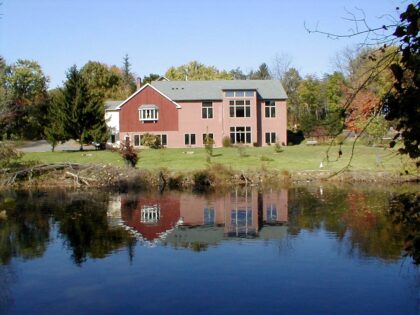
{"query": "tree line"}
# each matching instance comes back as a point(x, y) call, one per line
point(28, 110)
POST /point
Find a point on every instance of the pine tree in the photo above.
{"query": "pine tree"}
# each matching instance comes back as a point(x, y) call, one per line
point(128, 77)
point(54, 130)
point(82, 112)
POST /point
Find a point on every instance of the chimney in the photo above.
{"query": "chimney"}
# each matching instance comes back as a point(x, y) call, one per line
point(138, 83)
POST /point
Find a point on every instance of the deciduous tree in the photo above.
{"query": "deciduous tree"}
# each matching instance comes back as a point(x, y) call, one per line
point(106, 82)
point(197, 71)
point(24, 106)
point(150, 78)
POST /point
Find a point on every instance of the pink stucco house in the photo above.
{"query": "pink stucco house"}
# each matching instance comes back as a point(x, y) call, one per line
point(182, 113)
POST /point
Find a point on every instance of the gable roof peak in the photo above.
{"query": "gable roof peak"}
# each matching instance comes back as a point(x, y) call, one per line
point(144, 87)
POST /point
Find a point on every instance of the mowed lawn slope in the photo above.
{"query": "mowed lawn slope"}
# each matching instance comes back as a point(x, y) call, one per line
point(293, 158)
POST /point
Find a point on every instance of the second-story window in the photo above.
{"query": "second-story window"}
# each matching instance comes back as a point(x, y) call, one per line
point(207, 110)
point(241, 93)
point(240, 108)
point(148, 113)
point(270, 109)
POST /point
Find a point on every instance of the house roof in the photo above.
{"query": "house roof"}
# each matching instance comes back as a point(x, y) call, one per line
point(112, 105)
point(141, 89)
point(213, 90)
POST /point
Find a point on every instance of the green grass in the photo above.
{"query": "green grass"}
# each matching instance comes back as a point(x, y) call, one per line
point(293, 158)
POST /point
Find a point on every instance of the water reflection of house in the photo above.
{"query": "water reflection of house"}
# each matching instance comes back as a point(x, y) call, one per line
point(179, 219)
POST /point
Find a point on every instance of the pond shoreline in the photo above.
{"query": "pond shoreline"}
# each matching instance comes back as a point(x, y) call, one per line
point(213, 177)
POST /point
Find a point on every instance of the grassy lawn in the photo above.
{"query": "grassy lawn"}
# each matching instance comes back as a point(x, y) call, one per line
point(293, 158)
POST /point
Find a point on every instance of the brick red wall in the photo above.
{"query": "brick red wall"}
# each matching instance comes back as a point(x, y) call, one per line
point(169, 215)
point(129, 113)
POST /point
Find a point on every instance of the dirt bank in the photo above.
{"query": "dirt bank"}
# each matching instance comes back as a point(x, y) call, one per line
point(214, 177)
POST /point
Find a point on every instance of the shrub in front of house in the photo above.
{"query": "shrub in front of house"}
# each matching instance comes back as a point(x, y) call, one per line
point(226, 142)
point(151, 141)
point(208, 145)
point(129, 154)
point(278, 148)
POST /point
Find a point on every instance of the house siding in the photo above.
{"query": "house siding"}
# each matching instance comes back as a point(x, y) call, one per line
point(129, 113)
point(277, 124)
point(175, 122)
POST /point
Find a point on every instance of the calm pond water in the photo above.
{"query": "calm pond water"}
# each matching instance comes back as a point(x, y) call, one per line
point(301, 250)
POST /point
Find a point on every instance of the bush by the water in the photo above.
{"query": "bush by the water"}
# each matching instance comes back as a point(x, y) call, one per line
point(8, 154)
point(202, 180)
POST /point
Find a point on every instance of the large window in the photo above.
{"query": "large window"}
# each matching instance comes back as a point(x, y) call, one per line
point(207, 110)
point(240, 108)
point(270, 109)
point(240, 135)
point(270, 137)
point(242, 93)
point(189, 139)
point(148, 113)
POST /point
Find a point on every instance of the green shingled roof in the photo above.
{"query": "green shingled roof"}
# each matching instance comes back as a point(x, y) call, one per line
point(213, 90)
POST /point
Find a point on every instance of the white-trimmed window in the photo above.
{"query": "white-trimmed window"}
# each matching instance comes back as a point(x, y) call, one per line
point(270, 137)
point(207, 110)
point(242, 93)
point(163, 139)
point(240, 135)
point(136, 140)
point(270, 109)
point(189, 138)
point(148, 112)
point(240, 108)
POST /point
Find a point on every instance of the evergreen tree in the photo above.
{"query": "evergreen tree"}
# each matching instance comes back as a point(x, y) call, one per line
point(54, 130)
point(82, 113)
point(261, 74)
point(128, 77)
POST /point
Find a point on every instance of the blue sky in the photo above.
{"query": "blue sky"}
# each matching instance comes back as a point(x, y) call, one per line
point(157, 34)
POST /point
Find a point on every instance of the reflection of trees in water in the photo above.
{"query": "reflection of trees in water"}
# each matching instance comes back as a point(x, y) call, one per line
point(357, 218)
point(25, 232)
point(81, 218)
point(405, 211)
point(7, 278)
point(84, 225)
